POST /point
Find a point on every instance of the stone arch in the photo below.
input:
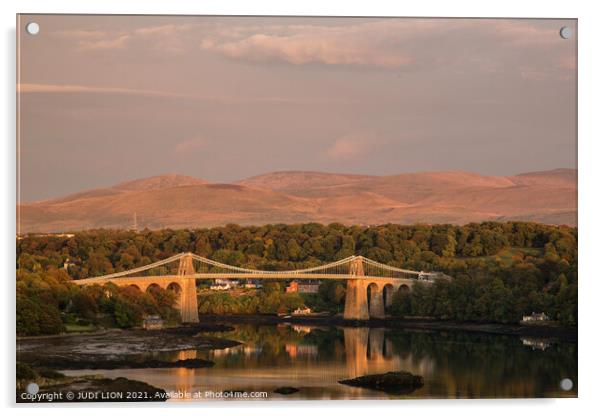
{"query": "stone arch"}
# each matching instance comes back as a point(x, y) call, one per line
point(130, 289)
point(376, 306)
point(175, 286)
point(153, 286)
point(388, 292)
point(403, 288)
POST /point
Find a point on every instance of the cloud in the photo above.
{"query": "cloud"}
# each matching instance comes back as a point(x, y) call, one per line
point(306, 49)
point(96, 39)
point(190, 145)
point(395, 44)
point(115, 43)
point(361, 45)
point(350, 147)
point(166, 38)
point(31, 88)
point(488, 45)
point(77, 89)
point(81, 34)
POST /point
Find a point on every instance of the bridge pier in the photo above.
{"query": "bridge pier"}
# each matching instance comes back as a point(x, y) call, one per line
point(356, 300)
point(189, 310)
point(377, 304)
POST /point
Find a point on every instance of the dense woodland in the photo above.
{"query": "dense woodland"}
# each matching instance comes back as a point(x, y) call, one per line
point(501, 271)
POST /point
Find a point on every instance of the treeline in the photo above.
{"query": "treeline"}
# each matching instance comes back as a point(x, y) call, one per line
point(497, 299)
point(47, 302)
point(419, 247)
point(536, 264)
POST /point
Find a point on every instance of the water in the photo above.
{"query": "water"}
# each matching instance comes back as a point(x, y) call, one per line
point(314, 359)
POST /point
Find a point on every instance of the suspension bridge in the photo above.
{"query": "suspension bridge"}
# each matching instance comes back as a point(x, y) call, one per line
point(370, 284)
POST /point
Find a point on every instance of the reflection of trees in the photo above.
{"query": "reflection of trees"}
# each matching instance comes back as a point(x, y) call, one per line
point(480, 365)
point(265, 346)
point(330, 341)
point(454, 364)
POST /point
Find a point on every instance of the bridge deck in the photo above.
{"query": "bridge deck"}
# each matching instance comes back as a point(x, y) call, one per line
point(247, 276)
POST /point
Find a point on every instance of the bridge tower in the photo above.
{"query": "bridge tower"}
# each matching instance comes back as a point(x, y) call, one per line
point(186, 266)
point(189, 310)
point(356, 297)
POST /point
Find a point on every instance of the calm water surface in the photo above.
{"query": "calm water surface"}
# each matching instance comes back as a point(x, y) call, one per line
point(314, 359)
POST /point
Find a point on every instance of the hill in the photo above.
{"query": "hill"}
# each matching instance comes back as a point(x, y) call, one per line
point(179, 201)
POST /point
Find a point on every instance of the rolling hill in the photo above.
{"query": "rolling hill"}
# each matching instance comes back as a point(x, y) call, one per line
point(179, 201)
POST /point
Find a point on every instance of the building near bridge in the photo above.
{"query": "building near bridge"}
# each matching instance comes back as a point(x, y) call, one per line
point(224, 284)
point(304, 287)
point(153, 322)
point(221, 286)
point(536, 317)
point(230, 282)
point(304, 310)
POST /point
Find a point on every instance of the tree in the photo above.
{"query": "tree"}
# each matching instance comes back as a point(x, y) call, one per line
point(294, 250)
point(85, 305)
point(35, 317)
point(443, 244)
point(127, 314)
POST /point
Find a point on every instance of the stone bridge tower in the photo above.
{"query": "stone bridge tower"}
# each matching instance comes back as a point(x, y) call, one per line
point(356, 298)
point(189, 309)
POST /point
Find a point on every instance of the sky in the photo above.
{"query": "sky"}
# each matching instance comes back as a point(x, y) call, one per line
point(105, 99)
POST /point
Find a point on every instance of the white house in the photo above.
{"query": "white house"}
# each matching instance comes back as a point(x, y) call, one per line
point(536, 317)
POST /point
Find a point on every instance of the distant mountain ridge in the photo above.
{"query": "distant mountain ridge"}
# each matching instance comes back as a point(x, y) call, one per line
point(159, 182)
point(179, 201)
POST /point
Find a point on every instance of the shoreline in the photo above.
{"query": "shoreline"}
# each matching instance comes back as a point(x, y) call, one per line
point(540, 331)
point(218, 323)
point(119, 348)
point(185, 329)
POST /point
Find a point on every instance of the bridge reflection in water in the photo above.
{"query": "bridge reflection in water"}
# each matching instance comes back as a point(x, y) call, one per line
point(315, 359)
point(185, 377)
point(247, 367)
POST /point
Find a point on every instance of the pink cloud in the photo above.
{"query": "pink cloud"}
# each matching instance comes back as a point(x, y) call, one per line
point(308, 48)
point(413, 44)
point(118, 42)
point(31, 88)
point(349, 147)
point(74, 89)
point(416, 44)
point(164, 37)
point(190, 145)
